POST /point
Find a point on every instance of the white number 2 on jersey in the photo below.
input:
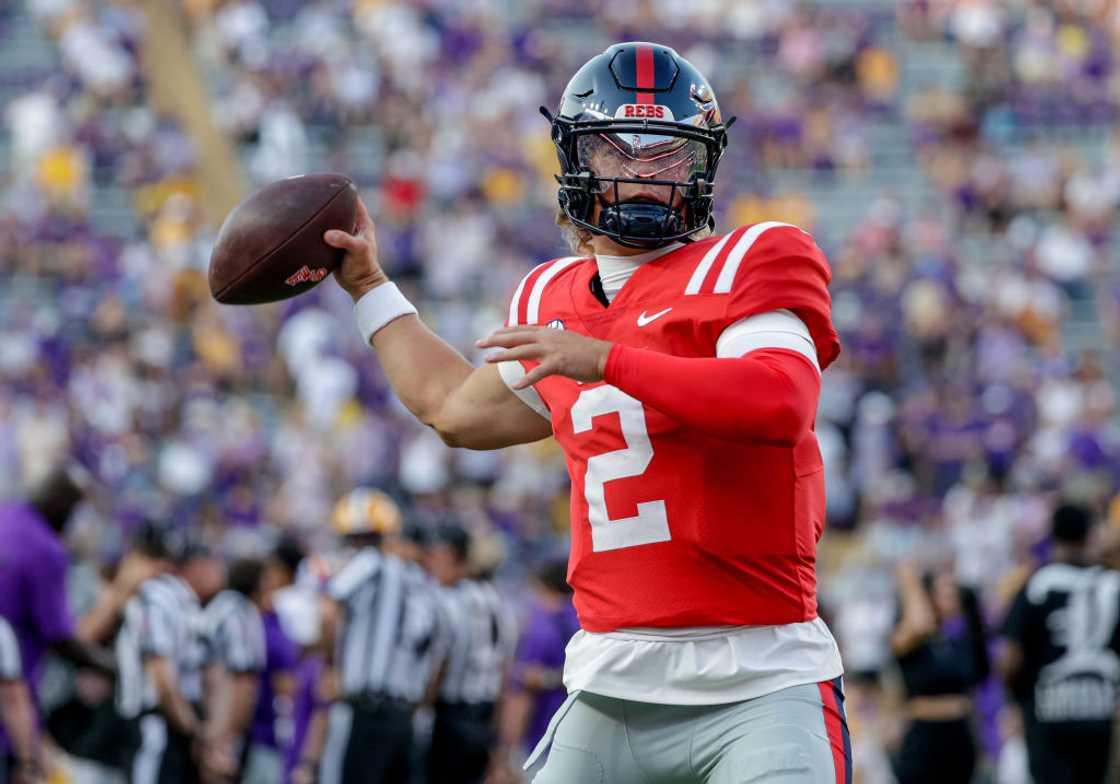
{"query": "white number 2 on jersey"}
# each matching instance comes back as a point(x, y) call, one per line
point(651, 523)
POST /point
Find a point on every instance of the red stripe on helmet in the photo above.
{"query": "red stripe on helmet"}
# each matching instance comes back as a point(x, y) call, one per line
point(644, 77)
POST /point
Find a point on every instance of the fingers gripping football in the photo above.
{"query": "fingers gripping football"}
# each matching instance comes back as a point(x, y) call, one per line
point(360, 270)
point(558, 352)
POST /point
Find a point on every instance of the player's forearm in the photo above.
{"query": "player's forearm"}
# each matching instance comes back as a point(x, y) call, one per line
point(219, 702)
point(174, 705)
point(469, 407)
point(98, 624)
point(421, 367)
point(513, 719)
point(232, 710)
point(917, 620)
point(82, 653)
point(18, 719)
point(244, 698)
point(769, 396)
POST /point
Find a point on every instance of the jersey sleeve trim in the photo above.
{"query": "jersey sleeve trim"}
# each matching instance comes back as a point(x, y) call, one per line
point(742, 247)
point(515, 302)
point(701, 271)
point(533, 309)
point(525, 306)
point(773, 329)
point(511, 373)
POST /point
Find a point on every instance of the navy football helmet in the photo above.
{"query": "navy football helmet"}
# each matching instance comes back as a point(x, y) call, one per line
point(640, 115)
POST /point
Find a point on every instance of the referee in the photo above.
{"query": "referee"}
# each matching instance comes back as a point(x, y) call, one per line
point(482, 637)
point(21, 763)
point(235, 657)
point(160, 654)
point(383, 615)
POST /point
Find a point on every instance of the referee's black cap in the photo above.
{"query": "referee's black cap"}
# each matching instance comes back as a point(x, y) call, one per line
point(151, 539)
point(186, 546)
point(289, 552)
point(416, 533)
point(245, 576)
point(455, 537)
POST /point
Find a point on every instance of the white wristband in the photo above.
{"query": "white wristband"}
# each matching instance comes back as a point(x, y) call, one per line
point(378, 306)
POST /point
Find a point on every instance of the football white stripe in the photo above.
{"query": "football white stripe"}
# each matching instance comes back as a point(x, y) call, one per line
point(705, 264)
point(533, 313)
point(735, 257)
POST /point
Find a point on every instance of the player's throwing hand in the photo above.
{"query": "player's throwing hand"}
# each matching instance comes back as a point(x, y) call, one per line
point(360, 271)
point(558, 352)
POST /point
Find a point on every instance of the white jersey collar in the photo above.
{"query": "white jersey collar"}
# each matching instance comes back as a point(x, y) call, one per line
point(614, 271)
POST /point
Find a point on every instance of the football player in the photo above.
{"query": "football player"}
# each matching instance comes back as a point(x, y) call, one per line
point(679, 369)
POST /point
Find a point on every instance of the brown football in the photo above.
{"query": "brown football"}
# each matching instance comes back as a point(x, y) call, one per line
point(271, 245)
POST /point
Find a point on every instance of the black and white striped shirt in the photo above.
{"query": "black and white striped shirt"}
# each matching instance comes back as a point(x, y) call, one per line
point(11, 666)
point(163, 619)
point(483, 636)
point(234, 633)
point(393, 633)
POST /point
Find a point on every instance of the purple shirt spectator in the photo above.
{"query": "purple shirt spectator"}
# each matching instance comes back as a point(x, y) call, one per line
point(281, 658)
point(33, 567)
point(542, 644)
point(32, 587)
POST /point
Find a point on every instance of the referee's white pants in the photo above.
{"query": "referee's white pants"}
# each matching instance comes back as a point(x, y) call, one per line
point(797, 735)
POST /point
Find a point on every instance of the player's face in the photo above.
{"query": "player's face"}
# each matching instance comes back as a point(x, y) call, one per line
point(443, 564)
point(642, 157)
point(206, 575)
point(946, 596)
point(275, 577)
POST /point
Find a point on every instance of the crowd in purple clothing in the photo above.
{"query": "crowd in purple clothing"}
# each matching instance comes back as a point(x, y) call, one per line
point(975, 287)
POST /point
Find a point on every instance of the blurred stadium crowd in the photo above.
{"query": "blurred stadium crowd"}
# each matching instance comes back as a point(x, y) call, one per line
point(957, 160)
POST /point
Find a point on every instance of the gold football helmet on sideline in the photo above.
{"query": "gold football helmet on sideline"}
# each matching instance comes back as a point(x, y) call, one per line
point(366, 511)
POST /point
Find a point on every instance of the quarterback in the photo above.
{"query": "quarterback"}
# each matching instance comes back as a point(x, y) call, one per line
point(679, 369)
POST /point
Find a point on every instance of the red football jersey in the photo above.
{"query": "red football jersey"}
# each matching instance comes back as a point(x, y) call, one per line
point(672, 527)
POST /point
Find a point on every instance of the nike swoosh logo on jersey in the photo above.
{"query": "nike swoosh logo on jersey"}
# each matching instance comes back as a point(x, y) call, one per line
point(643, 319)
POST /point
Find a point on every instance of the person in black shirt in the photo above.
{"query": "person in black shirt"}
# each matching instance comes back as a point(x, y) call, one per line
point(939, 643)
point(1060, 662)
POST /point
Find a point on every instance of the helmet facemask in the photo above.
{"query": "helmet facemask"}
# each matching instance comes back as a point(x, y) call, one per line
point(651, 180)
point(641, 180)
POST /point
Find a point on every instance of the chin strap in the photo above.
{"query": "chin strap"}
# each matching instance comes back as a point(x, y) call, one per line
point(640, 222)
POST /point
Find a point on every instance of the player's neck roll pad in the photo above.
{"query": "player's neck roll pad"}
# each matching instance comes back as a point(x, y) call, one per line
point(641, 221)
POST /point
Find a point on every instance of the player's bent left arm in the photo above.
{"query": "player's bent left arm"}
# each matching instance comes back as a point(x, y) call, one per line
point(766, 393)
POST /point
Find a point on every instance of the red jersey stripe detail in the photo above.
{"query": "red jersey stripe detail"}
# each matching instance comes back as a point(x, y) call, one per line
point(708, 284)
point(835, 728)
point(526, 290)
point(644, 77)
